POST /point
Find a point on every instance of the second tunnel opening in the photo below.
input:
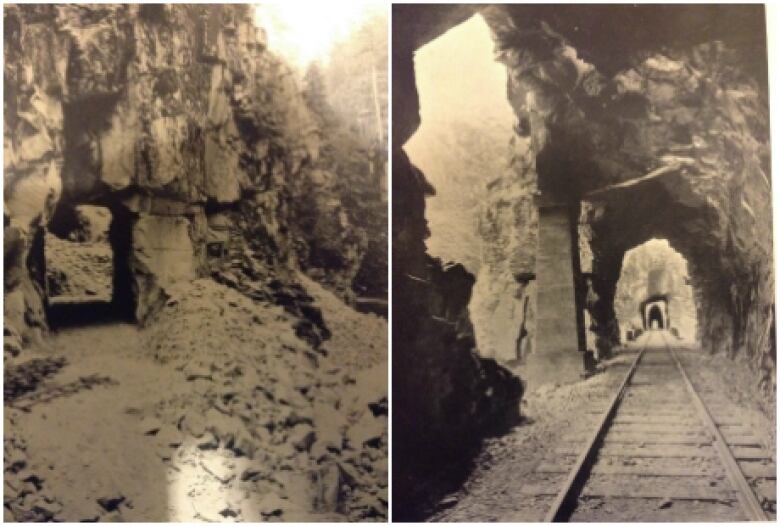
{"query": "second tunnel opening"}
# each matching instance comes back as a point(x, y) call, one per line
point(654, 292)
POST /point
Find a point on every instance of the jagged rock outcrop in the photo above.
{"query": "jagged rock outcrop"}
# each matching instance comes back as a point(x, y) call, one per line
point(692, 115)
point(445, 397)
point(169, 115)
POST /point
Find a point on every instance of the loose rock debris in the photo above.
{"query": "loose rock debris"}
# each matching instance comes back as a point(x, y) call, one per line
point(207, 416)
point(25, 377)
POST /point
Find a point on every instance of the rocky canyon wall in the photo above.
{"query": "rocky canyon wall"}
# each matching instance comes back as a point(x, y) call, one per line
point(196, 137)
point(646, 134)
point(504, 295)
point(660, 135)
point(445, 396)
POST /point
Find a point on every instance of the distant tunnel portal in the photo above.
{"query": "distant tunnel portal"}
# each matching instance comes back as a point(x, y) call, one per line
point(655, 314)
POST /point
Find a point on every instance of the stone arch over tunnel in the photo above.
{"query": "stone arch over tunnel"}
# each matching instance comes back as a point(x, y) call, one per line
point(636, 136)
point(632, 217)
point(94, 122)
point(649, 123)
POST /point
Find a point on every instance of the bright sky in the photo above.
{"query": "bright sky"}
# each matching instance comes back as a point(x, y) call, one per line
point(303, 33)
point(457, 75)
point(458, 81)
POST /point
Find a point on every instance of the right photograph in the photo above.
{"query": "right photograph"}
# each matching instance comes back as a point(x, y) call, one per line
point(583, 285)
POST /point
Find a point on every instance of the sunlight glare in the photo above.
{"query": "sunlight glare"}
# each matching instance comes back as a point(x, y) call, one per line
point(306, 33)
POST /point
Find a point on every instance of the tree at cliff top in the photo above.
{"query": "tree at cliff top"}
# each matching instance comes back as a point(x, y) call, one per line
point(347, 175)
point(356, 79)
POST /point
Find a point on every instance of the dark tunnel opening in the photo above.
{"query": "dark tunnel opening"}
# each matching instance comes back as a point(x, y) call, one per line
point(655, 319)
point(87, 276)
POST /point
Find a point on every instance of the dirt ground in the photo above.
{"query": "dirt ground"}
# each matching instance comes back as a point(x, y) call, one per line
point(493, 491)
point(217, 412)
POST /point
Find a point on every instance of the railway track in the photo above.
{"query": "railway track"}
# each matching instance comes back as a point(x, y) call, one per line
point(654, 452)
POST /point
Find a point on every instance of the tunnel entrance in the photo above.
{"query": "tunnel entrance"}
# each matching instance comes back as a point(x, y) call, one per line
point(654, 292)
point(655, 319)
point(87, 279)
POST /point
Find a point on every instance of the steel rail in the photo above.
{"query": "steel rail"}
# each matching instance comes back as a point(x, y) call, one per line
point(745, 495)
point(566, 499)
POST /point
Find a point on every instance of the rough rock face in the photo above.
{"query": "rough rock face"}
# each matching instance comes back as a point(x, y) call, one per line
point(502, 308)
point(694, 115)
point(168, 116)
point(445, 397)
point(656, 132)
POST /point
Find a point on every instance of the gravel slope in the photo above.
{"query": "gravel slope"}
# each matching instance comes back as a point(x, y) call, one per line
point(217, 412)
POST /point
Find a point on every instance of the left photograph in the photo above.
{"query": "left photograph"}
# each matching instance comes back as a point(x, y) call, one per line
point(195, 262)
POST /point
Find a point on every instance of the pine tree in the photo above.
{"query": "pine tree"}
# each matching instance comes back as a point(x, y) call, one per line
point(316, 96)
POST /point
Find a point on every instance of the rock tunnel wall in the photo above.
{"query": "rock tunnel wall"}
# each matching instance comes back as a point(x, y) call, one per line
point(445, 396)
point(504, 295)
point(689, 108)
point(660, 132)
point(182, 122)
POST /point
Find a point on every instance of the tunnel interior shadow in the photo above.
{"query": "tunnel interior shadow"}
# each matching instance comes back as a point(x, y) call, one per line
point(439, 472)
point(70, 314)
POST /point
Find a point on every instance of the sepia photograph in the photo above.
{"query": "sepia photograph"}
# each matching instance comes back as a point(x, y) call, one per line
point(321, 262)
point(195, 262)
point(583, 287)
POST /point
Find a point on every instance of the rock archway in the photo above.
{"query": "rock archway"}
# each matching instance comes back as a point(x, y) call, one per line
point(194, 134)
point(205, 147)
point(666, 144)
point(153, 112)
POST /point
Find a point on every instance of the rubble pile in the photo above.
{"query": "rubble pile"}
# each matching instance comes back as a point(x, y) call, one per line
point(78, 268)
point(241, 419)
point(24, 377)
point(25, 495)
point(275, 415)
